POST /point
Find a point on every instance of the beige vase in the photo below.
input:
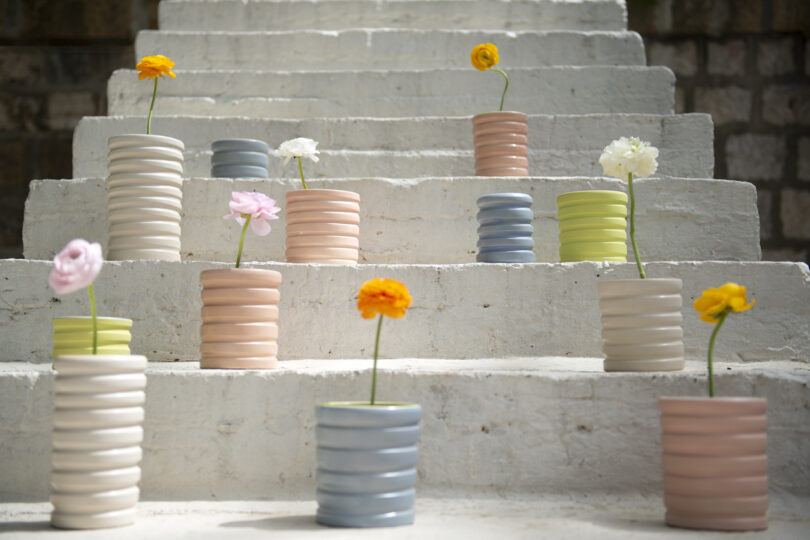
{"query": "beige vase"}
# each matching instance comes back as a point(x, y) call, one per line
point(641, 324)
point(322, 226)
point(501, 144)
point(239, 318)
point(715, 463)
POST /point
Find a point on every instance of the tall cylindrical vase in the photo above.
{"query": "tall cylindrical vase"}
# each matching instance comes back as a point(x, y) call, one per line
point(366, 457)
point(501, 144)
point(74, 335)
point(641, 324)
point(96, 440)
point(593, 226)
point(239, 158)
point(322, 226)
point(715, 462)
point(505, 228)
point(144, 197)
point(239, 318)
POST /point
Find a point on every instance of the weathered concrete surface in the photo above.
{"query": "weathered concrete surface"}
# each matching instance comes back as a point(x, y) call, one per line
point(384, 93)
point(387, 48)
point(252, 15)
point(459, 311)
point(679, 219)
point(531, 426)
point(559, 145)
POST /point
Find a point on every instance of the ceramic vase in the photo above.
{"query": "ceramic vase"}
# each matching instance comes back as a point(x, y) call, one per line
point(366, 457)
point(74, 335)
point(239, 158)
point(715, 463)
point(501, 144)
point(96, 440)
point(322, 226)
point(239, 318)
point(641, 324)
point(592, 226)
point(505, 228)
point(144, 197)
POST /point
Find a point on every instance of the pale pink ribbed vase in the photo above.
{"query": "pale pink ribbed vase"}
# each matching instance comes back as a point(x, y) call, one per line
point(501, 144)
point(239, 318)
point(322, 226)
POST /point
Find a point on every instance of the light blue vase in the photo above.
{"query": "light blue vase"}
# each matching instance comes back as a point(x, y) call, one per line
point(505, 228)
point(239, 158)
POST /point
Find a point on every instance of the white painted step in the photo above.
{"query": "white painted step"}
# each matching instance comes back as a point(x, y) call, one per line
point(559, 145)
point(399, 216)
point(387, 48)
point(493, 427)
point(450, 92)
point(247, 15)
point(459, 311)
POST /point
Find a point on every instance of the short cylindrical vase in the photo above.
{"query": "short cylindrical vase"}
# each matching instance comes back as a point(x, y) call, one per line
point(593, 226)
point(74, 335)
point(501, 142)
point(239, 158)
point(505, 228)
point(322, 226)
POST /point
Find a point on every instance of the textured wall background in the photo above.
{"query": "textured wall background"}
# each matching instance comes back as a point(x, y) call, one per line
point(747, 62)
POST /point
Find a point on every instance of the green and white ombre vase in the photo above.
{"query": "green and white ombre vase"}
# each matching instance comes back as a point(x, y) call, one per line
point(593, 226)
point(74, 335)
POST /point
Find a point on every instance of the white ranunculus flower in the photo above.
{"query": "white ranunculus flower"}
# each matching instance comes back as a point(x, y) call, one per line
point(624, 156)
point(300, 147)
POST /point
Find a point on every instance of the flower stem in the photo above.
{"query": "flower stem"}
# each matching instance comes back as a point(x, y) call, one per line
point(720, 319)
point(242, 238)
point(151, 108)
point(633, 226)
point(301, 171)
point(374, 369)
point(93, 317)
point(506, 86)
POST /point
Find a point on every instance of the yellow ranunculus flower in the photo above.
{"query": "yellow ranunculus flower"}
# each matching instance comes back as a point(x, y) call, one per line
point(484, 56)
point(383, 296)
point(714, 302)
point(154, 66)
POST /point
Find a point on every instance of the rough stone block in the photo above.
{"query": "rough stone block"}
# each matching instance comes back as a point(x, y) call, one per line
point(803, 159)
point(795, 209)
point(784, 254)
point(784, 105)
point(66, 109)
point(680, 57)
point(727, 57)
point(790, 16)
point(752, 156)
point(775, 57)
point(726, 104)
point(765, 210)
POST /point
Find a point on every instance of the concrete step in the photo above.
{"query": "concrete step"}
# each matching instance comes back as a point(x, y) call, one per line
point(459, 311)
point(252, 15)
point(266, 94)
point(529, 426)
point(387, 48)
point(673, 216)
point(559, 145)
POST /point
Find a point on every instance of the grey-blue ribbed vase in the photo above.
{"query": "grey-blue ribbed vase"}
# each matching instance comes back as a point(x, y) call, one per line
point(239, 158)
point(505, 228)
point(366, 458)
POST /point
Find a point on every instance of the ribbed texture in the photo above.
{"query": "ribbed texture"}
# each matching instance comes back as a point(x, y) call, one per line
point(322, 226)
point(592, 226)
point(501, 144)
point(239, 158)
point(505, 228)
point(74, 335)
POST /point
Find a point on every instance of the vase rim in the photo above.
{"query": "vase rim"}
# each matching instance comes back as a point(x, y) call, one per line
point(707, 399)
point(143, 137)
point(380, 405)
point(90, 317)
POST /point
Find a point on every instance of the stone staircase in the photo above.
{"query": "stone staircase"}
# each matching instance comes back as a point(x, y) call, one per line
point(505, 359)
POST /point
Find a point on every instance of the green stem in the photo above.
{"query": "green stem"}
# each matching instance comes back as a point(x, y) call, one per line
point(503, 96)
point(633, 226)
point(720, 321)
point(301, 171)
point(242, 238)
point(374, 369)
point(93, 317)
point(151, 107)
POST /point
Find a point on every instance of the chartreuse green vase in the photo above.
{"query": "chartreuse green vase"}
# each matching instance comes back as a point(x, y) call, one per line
point(74, 335)
point(593, 226)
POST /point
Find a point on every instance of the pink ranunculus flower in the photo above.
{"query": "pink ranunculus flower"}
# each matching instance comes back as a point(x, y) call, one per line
point(258, 205)
point(76, 266)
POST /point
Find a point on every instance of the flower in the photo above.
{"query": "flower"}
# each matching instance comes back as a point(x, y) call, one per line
point(484, 56)
point(383, 296)
point(715, 303)
point(76, 266)
point(298, 148)
point(258, 206)
point(155, 66)
point(624, 156)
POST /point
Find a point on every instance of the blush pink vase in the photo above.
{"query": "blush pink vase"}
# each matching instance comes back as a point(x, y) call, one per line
point(322, 226)
point(239, 318)
point(501, 144)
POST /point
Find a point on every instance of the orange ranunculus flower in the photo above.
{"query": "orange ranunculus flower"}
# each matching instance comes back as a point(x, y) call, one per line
point(484, 56)
point(714, 302)
point(154, 66)
point(383, 296)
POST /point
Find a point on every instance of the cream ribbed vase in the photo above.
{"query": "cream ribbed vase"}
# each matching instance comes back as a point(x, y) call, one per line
point(501, 142)
point(322, 226)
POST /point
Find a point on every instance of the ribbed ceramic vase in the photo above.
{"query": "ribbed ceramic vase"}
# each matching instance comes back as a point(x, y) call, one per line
point(96, 440)
point(74, 335)
point(641, 324)
point(322, 226)
point(592, 226)
point(715, 463)
point(505, 228)
point(366, 457)
point(144, 197)
point(239, 318)
point(501, 142)
point(239, 158)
